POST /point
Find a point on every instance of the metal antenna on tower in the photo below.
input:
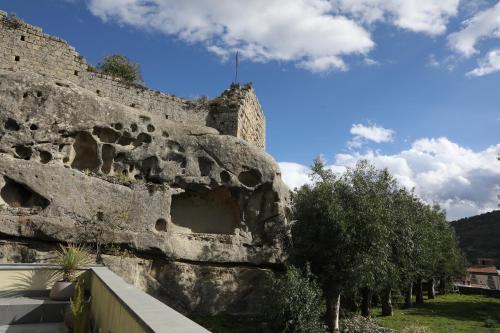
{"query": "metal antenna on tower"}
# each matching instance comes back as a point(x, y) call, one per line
point(236, 71)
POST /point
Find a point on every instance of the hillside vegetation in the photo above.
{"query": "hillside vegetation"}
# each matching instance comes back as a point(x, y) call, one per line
point(479, 236)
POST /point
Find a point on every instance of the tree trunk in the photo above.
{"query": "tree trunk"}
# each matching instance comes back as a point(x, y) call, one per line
point(333, 311)
point(408, 294)
point(386, 302)
point(419, 299)
point(366, 302)
point(430, 289)
point(442, 286)
point(375, 299)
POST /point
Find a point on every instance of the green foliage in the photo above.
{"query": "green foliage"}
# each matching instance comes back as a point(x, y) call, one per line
point(70, 258)
point(478, 236)
point(296, 303)
point(490, 323)
point(78, 308)
point(120, 66)
point(362, 233)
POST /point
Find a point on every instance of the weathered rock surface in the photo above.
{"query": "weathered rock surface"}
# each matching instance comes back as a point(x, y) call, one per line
point(198, 213)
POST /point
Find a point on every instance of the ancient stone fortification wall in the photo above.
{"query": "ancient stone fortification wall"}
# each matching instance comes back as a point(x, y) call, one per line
point(237, 112)
point(26, 47)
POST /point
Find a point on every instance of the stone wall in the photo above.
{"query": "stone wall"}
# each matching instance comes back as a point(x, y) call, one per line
point(26, 47)
point(237, 112)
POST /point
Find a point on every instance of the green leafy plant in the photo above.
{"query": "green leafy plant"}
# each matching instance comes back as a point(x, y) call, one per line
point(70, 258)
point(295, 303)
point(78, 308)
point(120, 66)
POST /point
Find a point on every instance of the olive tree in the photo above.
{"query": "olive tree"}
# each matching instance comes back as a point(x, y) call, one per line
point(120, 66)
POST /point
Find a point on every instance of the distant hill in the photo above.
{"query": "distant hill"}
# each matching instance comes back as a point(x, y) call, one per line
point(479, 236)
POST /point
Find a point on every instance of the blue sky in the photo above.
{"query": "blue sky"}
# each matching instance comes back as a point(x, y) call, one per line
point(411, 85)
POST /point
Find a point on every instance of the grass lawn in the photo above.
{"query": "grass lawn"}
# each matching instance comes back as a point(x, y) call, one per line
point(452, 313)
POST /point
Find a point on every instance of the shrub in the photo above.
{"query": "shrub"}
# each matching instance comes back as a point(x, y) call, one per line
point(70, 258)
point(359, 324)
point(120, 66)
point(78, 308)
point(295, 303)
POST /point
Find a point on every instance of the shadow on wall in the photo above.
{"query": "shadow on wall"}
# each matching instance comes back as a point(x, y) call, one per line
point(33, 280)
point(214, 212)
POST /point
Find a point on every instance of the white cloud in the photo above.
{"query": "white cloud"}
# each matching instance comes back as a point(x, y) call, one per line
point(488, 65)
point(462, 181)
point(372, 132)
point(316, 35)
point(305, 32)
point(484, 24)
point(426, 16)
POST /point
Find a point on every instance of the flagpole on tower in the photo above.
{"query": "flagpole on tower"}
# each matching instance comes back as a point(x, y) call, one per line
point(236, 68)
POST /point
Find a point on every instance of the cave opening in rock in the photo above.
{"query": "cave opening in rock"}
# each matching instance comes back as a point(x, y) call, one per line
point(11, 125)
point(45, 156)
point(108, 153)
point(250, 178)
point(213, 212)
point(161, 225)
point(86, 155)
point(16, 194)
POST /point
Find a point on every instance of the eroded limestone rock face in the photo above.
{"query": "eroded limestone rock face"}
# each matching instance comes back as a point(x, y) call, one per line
point(198, 213)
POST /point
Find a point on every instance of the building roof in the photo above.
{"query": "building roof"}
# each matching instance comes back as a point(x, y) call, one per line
point(482, 269)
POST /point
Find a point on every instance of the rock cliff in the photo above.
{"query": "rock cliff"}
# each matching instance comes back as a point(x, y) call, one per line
point(187, 214)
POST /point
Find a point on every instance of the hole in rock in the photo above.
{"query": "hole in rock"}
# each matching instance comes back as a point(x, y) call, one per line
point(225, 176)
point(76, 73)
point(106, 134)
point(65, 159)
point(250, 178)
point(133, 127)
point(86, 157)
point(11, 125)
point(60, 84)
point(118, 126)
point(33, 127)
point(132, 105)
point(39, 94)
point(19, 195)
point(165, 134)
point(24, 152)
point(23, 38)
point(205, 165)
point(175, 146)
point(45, 156)
point(17, 58)
point(161, 225)
point(142, 138)
point(125, 139)
point(108, 153)
point(25, 95)
point(151, 128)
point(178, 158)
point(120, 157)
point(214, 212)
point(98, 92)
point(149, 166)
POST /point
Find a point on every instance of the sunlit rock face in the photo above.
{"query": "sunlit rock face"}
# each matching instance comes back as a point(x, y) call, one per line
point(185, 213)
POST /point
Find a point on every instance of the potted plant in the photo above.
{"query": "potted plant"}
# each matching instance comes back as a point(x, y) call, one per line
point(70, 258)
